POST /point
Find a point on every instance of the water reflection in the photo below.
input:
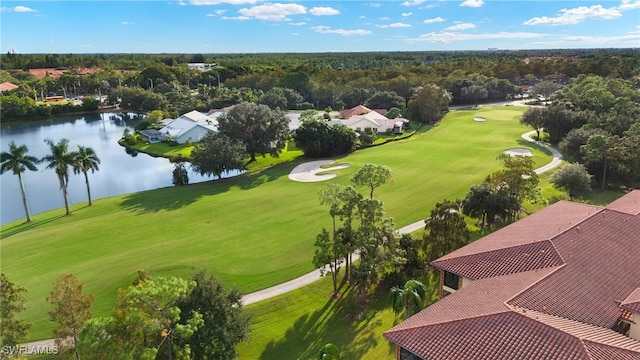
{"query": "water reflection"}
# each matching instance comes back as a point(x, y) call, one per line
point(121, 171)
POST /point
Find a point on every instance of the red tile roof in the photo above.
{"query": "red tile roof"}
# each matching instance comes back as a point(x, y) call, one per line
point(538, 255)
point(540, 226)
point(632, 302)
point(44, 72)
point(549, 286)
point(356, 110)
point(7, 86)
point(629, 204)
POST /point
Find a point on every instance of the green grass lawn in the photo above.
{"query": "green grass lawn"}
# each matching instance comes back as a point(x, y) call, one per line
point(252, 231)
point(297, 324)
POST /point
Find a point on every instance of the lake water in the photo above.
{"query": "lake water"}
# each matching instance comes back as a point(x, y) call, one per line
point(120, 172)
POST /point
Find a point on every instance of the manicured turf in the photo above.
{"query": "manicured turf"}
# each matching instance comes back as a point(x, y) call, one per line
point(296, 325)
point(252, 231)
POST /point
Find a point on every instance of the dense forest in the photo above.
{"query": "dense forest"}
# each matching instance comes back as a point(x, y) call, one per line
point(592, 97)
point(145, 82)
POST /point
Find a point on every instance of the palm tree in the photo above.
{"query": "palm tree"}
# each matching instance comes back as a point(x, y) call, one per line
point(85, 160)
point(409, 299)
point(18, 161)
point(59, 160)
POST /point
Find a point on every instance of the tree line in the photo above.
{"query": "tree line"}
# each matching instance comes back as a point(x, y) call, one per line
point(595, 122)
point(320, 81)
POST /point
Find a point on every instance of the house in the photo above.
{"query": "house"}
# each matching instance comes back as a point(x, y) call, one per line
point(192, 126)
point(563, 283)
point(361, 118)
point(7, 86)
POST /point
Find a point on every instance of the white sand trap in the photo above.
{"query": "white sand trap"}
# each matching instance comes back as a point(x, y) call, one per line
point(518, 152)
point(479, 118)
point(308, 172)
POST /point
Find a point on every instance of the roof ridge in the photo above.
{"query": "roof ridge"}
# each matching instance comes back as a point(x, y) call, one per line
point(506, 302)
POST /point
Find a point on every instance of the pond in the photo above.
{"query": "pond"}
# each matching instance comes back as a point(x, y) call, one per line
point(119, 173)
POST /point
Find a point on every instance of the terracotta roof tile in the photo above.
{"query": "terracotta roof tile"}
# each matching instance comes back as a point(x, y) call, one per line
point(507, 335)
point(632, 302)
point(554, 312)
point(630, 203)
point(601, 270)
point(479, 298)
point(604, 352)
point(511, 260)
point(7, 86)
point(540, 226)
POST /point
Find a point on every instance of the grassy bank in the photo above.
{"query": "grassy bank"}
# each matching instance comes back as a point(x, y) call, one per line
point(252, 231)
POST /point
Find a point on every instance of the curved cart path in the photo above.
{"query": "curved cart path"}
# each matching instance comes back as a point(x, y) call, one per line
point(311, 277)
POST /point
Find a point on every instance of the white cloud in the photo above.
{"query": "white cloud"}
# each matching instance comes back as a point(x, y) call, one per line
point(218, 2)
point(273, 12)
point(454, 36)
point(375, 5)
point(461, 26)
point(590, 41)
point(298, 23)
point(576, 15)
point(394, 25)
point(407, 14)
point(433, 20)
point(23, 9)
point(321, 11)
point(629, 4)
point(328, 30)
point(239, 18)
point(126, 23)
point(472, 3)
point(217, 12)
point(384, 18)
point(412, 2)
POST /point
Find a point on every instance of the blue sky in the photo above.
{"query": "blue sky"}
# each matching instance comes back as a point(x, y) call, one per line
point(254, 26)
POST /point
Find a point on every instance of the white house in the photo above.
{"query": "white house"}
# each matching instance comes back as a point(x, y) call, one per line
point(372, 120)
point(192, 126)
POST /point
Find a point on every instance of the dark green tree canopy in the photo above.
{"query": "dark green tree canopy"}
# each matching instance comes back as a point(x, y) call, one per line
point(317, 139)
point(225, 322)
point(13, 331)
point(217, 154)
point(262, 130)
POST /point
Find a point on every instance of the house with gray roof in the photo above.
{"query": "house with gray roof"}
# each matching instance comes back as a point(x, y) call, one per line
point(192, 126)
point(563, 283)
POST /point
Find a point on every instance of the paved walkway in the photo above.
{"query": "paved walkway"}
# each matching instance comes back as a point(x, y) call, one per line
point(313, 276)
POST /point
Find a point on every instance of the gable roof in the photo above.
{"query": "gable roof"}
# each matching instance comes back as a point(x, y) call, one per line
point(551, 285)
point(7, 86)
point(188, 121)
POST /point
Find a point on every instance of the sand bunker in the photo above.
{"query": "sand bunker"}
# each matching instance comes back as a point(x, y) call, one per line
point(308, 172)
point(518, 152)
point(479, 118)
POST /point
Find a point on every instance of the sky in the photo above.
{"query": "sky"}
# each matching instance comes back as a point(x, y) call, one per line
point(255, 26)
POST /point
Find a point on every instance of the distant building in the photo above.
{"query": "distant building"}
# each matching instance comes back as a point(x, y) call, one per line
point(201, 66)
point(361, 118)
point(7, 86)
point(563, 283)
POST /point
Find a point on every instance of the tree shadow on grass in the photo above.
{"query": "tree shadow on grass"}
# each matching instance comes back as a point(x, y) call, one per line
point(177, 197)
point(333, 323)
point(24, 226)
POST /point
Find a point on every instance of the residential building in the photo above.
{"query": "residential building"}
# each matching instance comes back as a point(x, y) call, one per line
point(563, 283)
point(192, 126)
point(361, 118)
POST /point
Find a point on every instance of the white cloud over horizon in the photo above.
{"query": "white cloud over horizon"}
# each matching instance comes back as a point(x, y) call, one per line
point(327, 30)
point(461, 26)
point(323, 11)
point(575, 16)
